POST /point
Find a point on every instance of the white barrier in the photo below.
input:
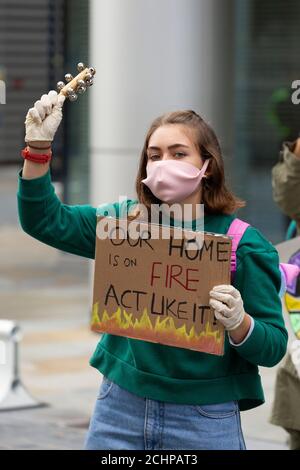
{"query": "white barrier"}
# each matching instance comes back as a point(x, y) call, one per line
point(13, 394)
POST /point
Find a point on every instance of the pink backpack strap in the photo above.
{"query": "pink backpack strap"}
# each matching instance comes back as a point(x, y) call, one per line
point(289, 272)
point(236, 230)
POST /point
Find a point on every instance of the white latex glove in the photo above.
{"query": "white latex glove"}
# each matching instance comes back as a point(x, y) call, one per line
point(228, 305)
point(43, 119)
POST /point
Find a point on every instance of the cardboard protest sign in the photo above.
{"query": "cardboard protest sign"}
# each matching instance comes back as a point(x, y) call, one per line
point(155, 287)
point(289, 252)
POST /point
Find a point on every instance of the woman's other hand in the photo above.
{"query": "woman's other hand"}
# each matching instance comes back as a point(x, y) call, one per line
point(228, 307)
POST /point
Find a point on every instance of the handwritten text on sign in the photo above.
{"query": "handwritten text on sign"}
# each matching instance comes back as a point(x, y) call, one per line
point(157, 289)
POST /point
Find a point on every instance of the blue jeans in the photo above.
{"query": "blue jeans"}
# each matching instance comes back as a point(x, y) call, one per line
point(125, 421)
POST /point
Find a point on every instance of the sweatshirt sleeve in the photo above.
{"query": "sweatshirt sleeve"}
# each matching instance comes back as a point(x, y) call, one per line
point(70, 228)
point(258, 279)
point(286, 182)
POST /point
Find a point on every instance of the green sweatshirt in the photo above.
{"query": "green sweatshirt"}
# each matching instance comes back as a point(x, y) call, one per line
point(157, 371)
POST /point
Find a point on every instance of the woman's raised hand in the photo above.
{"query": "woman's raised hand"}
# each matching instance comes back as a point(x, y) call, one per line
point(43, 119)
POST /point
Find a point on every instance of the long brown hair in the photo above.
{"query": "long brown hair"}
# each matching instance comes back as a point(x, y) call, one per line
point(216, 197)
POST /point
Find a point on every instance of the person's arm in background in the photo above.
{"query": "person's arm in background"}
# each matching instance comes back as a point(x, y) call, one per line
point(297, 148)
point(41, 213)
point(286, 180)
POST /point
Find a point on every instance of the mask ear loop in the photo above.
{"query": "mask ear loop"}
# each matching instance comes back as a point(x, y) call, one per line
point(206, 163)
point(206, 180)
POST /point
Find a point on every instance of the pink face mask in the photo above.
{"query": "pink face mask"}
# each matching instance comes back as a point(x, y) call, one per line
point(172, 180)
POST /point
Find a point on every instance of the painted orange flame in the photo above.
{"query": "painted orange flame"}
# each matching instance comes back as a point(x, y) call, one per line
point(164, 331)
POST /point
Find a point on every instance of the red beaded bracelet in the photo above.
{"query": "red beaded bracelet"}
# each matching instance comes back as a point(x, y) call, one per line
point(36, 157)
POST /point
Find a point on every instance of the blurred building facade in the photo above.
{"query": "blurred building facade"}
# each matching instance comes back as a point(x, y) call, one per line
point(223, 59)
point(40, 41)
point(31, 60)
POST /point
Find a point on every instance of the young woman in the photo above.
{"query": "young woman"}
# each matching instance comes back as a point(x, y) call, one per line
point(155, 396)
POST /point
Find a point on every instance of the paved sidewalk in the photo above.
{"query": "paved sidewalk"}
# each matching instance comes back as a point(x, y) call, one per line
point(48, 293)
